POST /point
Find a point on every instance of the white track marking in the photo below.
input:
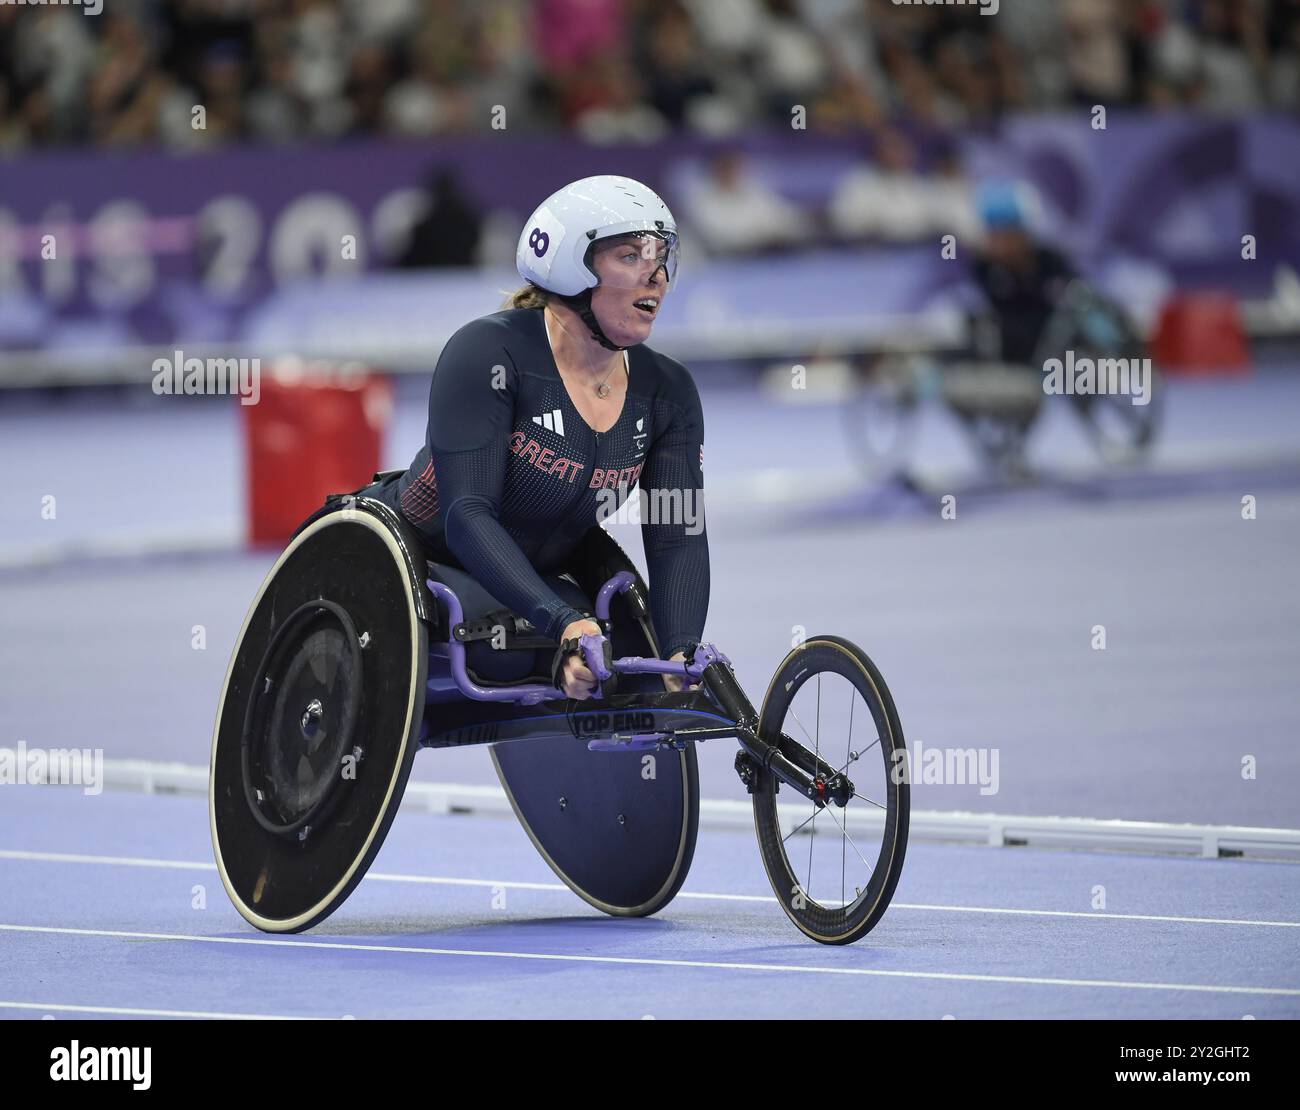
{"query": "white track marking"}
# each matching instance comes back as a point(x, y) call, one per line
point(1097, 913)
point(442, 880)
point(927, 826)
point(112, 861)
point(644, 961)
point(132, 1011)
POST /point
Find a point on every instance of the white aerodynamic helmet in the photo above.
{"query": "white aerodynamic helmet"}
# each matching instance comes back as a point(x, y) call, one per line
point(555, 246)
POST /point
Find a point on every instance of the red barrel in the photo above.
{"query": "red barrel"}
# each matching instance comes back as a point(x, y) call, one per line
point(1201, 332)
point(313, 431)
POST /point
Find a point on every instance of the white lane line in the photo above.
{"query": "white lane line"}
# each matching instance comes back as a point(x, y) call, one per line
point(113, 861)
point(645, 961)
point(1098, 913)
point(132, 1011)
point(440, 880)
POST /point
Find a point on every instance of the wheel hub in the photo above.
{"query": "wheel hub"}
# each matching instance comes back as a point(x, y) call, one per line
point(311, 719)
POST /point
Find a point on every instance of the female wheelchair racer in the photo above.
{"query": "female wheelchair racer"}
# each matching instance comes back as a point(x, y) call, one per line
point(424, 611)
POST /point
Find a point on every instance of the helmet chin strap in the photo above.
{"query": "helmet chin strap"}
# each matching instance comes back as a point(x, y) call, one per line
point(581, 304)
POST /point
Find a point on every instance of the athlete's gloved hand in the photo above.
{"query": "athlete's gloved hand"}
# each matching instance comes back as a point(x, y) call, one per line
point(672, 683)
point(575, 677)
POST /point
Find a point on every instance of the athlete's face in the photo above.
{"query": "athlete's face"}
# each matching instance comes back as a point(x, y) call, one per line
point(1008, 245)
point(633, 273)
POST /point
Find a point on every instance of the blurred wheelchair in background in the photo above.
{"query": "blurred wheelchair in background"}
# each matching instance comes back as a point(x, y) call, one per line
point(998, 404)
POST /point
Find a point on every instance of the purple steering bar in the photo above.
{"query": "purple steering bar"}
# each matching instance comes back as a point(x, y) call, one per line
point(805, 771)
point(593, 653)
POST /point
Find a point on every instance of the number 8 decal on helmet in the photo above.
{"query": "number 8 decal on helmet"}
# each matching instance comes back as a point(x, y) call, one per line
point(539, 241)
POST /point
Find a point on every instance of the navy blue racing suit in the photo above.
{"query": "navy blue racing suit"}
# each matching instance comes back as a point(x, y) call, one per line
point(511, 476)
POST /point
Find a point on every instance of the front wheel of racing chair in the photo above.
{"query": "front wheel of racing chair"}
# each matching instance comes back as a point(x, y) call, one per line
point(834, 879)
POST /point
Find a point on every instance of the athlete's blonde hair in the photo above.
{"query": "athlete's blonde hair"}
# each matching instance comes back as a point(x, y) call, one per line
point(528, 296)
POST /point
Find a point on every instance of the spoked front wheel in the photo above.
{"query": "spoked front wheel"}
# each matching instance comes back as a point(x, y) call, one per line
point(834, 868)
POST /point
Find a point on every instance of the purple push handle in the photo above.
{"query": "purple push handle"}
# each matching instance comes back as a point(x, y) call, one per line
point(525, 695)
point(592, 648)
point(616, 585)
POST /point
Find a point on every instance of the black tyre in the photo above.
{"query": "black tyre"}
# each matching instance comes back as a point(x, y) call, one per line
point(1094, 327)
point(834, 869)
point(1121, 431)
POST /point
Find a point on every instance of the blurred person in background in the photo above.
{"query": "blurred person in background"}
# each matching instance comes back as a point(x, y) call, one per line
point(121, 98)
point(1097, 58)
point(370, 76)
point(678, 83)
point(791, 64)
point(567, 35)
point(729, 29)
point(503, 70)
point(48, 58)
point(418, 104)
point(221, 91)
point(1234, 62)
point(317, 47)
point(890, 200)
point(390, 21)
point(277, 112)
point(729, 34)
point(615, 110)
point(1021, 279)
point(734, 212)
point(1282, 32)
point(952, 198)
point(448, 233)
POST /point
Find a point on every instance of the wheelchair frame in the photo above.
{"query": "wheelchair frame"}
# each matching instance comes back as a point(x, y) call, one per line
point(506, 716)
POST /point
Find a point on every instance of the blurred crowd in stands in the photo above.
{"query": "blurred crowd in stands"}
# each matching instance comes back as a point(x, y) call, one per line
point(905, 77)
point(729, 206)
point(281, 71)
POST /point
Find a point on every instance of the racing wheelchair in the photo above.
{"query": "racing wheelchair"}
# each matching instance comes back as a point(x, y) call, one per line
point(996, 403)
point(357, 651)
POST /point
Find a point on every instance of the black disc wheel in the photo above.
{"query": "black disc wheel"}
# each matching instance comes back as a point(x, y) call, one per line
point(318, 722)
point(834, 868)
point(297, 748)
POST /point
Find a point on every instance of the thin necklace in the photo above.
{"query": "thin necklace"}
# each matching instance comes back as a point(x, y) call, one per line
point(602, 389)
